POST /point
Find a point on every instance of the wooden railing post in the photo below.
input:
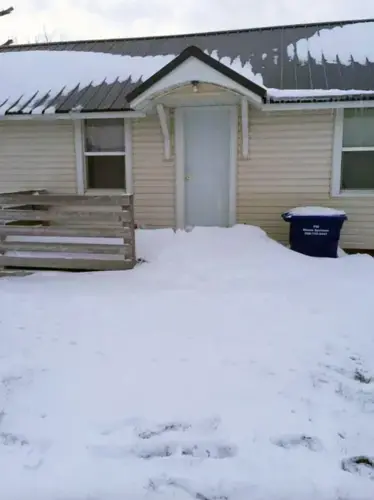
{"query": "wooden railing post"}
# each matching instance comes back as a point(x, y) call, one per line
point(130, 209)
point(26, 216)
point(2, 240)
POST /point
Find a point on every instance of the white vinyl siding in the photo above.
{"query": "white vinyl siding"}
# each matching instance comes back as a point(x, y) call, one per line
point(37, 155)
point(290, 164)
point(153, 176)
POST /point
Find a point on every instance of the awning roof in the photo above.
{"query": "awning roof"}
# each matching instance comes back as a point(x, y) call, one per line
point(235, 74)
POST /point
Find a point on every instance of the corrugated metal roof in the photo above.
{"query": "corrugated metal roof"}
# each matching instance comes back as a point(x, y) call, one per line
point(314, 56)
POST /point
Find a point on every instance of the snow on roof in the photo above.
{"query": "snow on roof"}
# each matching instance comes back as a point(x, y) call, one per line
point(245, 69)
point(343, 42)
point(38, 81)
point(50, 73)
point(310, 93)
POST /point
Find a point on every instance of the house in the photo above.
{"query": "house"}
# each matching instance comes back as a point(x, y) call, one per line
point(206, 129)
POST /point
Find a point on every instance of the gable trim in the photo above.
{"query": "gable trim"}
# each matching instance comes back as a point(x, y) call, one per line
point(195, 52)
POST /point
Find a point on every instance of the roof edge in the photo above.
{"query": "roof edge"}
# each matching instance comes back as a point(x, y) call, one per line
point(321, 24)
point(322, 98)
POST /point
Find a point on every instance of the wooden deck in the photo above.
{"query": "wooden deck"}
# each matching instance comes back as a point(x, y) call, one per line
point(40, 230)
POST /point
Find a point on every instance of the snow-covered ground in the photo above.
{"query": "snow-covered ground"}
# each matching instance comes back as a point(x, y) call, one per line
point(225, 367)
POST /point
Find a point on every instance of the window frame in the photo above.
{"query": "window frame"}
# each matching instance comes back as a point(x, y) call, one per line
point(81, 155)
point(338, 150)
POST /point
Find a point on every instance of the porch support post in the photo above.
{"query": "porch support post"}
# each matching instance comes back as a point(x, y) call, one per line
point(164, 117)
point(79, 156)
point(245, 128)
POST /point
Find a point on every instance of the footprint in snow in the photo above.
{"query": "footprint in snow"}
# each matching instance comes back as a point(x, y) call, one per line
point(362, 466)
point(208, 425)
point(288, 442)
point(10, 439)
point(162, 429)
point(149, 448)
point(156, 484)
point(214, 451)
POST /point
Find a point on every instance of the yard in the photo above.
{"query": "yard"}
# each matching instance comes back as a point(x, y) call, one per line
point(225, 367)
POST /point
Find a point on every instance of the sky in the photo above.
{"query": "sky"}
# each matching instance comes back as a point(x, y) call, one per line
point(36, 20)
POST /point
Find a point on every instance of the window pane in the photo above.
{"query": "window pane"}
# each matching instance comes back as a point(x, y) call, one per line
point(358, 170)
point(105, 135)
point(105, 172)
point(358, 130)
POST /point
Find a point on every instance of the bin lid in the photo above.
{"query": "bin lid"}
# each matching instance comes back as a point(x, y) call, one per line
point(314, 212)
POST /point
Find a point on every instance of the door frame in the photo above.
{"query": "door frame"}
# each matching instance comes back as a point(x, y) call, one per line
point(180, 163)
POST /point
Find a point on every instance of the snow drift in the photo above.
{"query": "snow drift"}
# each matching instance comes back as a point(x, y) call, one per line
point(224, 367)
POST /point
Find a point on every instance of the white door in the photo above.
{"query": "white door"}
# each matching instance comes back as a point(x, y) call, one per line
point(207, 141)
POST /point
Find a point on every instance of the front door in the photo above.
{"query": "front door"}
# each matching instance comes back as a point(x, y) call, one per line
point(207, 141)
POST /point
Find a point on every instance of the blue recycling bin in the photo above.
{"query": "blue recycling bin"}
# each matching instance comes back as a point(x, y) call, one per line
point(316, 235)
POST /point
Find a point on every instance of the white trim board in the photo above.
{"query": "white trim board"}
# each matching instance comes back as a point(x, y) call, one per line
point(337, 151)
point(73, 116)
point(233, 164)
point(245, 128)
point(180, 166)
point(128, 159)
point(105, 153)
point(142, 114)
point(164, 119)
point(193, 70)
point(179, 169)
point(79, 156)
point(295, 106)
point(221, 97)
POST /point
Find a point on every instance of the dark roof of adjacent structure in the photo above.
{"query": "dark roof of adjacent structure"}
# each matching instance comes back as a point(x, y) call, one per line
point(318, 56)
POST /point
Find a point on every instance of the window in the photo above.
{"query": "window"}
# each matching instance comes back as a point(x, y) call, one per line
point(105, 154)
point(355, 133)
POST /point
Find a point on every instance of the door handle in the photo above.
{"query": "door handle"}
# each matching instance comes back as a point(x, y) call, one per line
point(187, 178)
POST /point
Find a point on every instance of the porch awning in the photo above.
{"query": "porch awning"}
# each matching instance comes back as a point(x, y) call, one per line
point(194, 66)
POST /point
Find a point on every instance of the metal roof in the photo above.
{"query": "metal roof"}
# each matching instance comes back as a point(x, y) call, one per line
point(308, 56)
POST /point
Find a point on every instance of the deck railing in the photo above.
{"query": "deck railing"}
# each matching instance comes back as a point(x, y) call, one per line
point(43, 230)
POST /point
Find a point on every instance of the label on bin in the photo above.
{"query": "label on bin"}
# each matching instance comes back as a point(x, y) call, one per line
point(315, 231)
